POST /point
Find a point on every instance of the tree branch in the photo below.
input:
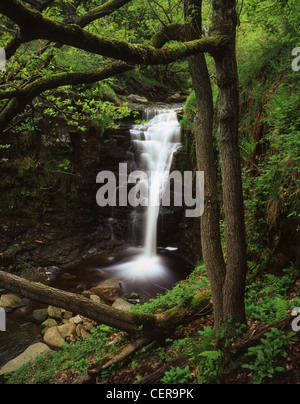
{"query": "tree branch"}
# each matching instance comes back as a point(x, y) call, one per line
point(34, 25)
point(99, 12)
point(22, 97)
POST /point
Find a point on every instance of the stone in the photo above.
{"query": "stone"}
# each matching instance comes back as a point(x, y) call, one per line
point(67, 315)
point(39, 316)
point(55, 312)
point(81, 332)
point(108, 290)
point(49, 323)
point(95, 298)
point(56, 337)
point(11, 302)
point(53, 338)
point(88, 326)
point(30, 354)
point(132, 296)
point(66, 330)
point(76, 320)
point(68, 276)
point(177, 98)
point(121, 304)
point(138, 99)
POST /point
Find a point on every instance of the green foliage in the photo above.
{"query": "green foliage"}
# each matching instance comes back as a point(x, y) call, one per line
point(266, 355)
point(269, 127)
point(267, 299)
point(180, 295)
point(177, 376)
point(71, 359)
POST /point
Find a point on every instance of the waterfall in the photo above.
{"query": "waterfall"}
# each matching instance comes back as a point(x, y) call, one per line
point(155, 143)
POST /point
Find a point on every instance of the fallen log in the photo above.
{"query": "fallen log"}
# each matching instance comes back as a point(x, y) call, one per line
point(149, 326)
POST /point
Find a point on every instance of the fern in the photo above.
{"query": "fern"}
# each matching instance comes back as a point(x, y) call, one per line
point(282, 306)
point(211, 355)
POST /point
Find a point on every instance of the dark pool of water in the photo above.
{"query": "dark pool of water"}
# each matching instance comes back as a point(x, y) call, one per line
point(20, 333)
point(136, 274)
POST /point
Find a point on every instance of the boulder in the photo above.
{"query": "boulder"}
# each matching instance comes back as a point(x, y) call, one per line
point(138, 99)
point(49, 323)
point(66, 330)
point(81, 332)
point(11, 302)
point(108, 290)
point(67, 315)
point(53, 338)
point(39, 316)
point(177, 98)
point(95, 298)
point(121, 304)
point(55, 312)
point(56, 337)
point(30, 354)
point(76, 320)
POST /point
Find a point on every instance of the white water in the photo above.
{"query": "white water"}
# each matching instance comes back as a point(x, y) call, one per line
point(155, 144)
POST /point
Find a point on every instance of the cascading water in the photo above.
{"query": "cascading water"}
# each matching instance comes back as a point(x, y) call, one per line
point(155, 144)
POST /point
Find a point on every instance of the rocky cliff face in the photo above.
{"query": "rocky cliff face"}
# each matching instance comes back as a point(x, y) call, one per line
point(48, 210)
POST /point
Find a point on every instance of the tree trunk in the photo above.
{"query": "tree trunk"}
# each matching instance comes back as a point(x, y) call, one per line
point(210, 230)
point(225, 20)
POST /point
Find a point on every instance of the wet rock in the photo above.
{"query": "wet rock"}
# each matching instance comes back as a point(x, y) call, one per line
point(49, 323)
point(108, 290)
point(68, 276)
point(121, 304)
point(10, 302)
point(55, 312)
point(30, 354)
point(96, 299)
point(177, 98)
point(132, 296)
point(39, 316)
point(138, 99)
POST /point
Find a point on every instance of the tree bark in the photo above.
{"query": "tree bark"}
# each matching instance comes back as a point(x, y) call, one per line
point(69, 301)
point(149, 325)
point(210, 229)
point(33, 25)
point(225, 21)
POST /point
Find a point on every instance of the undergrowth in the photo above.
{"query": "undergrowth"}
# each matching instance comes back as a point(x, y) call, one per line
point(267, 300)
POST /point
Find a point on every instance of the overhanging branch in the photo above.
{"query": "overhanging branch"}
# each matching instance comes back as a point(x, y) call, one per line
point(34, 25)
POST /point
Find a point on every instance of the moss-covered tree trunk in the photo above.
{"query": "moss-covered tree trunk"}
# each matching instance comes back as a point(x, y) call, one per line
point(225, 20)
point(210, 229)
